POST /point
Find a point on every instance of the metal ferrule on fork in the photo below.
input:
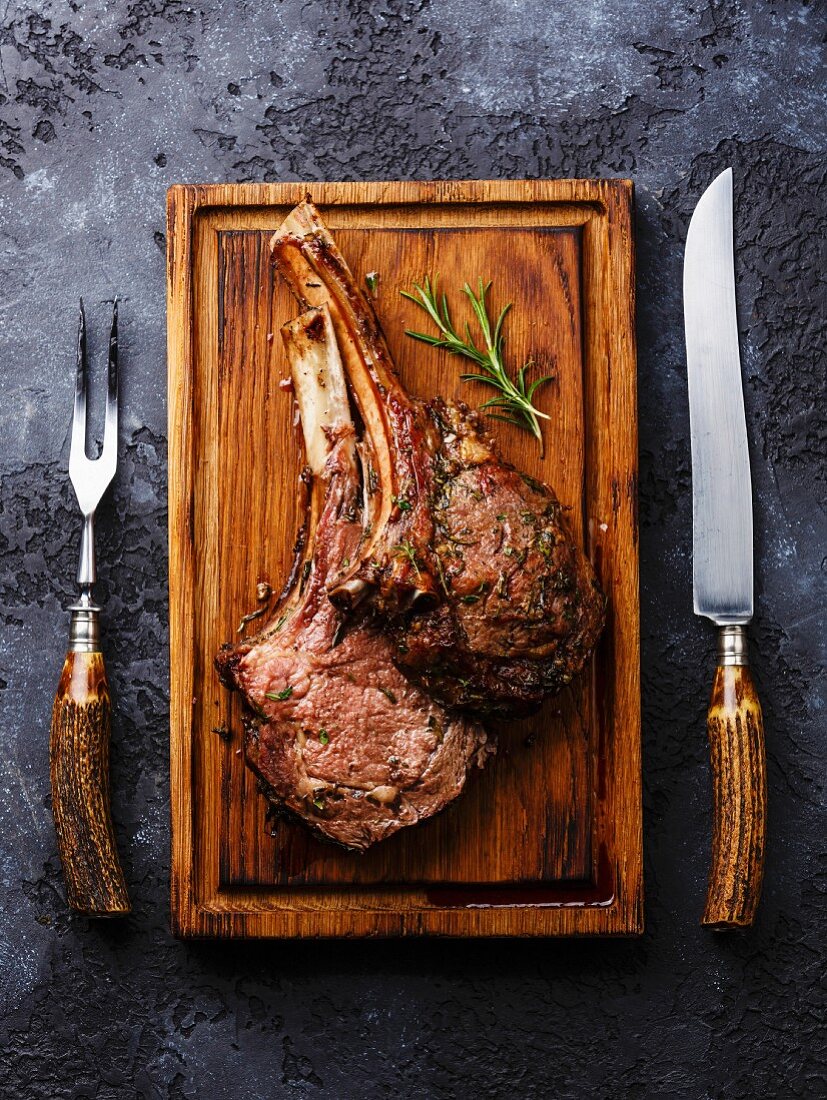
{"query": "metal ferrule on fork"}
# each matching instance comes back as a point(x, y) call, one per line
point(84, 625)
point(84, 629)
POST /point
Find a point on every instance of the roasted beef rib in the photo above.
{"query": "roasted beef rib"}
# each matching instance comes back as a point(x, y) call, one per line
point(490, 603)
point(337, 734)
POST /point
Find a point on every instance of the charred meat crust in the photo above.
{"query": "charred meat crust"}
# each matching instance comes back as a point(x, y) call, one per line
point(522, 609)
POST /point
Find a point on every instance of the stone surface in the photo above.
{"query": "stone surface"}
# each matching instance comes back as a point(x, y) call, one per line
point(102, 106)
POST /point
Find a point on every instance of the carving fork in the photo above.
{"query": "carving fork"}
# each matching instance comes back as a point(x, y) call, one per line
point(79, 741)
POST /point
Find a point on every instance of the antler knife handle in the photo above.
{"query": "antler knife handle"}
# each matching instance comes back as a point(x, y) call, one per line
point(79, 766)
point(739, 787)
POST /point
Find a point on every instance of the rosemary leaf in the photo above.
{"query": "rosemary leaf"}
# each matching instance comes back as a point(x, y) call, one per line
point(406, 549)
point(279, 696)
point(515, 399)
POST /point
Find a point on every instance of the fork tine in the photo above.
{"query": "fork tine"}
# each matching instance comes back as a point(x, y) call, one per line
point(110, 435)
point(113, 355)
point(78, 447)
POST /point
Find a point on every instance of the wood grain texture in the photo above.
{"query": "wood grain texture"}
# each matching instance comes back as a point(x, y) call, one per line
point(79, 766)
point(547, 840)
point(739, 793)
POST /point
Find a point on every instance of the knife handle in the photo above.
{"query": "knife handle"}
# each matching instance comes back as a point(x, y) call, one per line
point(739, 787)
point(79, 767)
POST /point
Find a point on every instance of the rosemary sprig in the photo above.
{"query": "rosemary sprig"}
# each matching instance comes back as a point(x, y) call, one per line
point(514, 400)
point(406, 549)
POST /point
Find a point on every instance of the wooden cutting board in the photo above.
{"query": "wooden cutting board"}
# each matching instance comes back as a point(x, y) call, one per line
point(547, 840)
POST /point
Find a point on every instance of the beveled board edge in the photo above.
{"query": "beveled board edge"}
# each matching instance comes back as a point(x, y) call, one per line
point(611, 293)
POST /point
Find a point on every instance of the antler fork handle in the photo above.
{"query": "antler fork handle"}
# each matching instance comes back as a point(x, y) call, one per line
point(79, 766)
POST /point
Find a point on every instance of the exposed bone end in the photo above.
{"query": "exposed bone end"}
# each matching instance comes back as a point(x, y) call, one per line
point(302, 221)
point(425, 598)
point(398, 597)
point(383, 795)
point(318, 381)
point(349, 594)
point(318, 275)
point(316, 272)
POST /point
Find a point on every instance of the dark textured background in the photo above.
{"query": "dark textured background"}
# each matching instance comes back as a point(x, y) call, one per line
point(102, 106)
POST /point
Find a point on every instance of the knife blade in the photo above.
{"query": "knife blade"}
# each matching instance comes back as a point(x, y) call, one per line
point(722, 562)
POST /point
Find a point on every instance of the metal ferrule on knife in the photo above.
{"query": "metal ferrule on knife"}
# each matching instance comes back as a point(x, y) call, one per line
point(732, 645)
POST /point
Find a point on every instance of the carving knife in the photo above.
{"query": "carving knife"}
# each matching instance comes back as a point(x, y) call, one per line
point(722, 557)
